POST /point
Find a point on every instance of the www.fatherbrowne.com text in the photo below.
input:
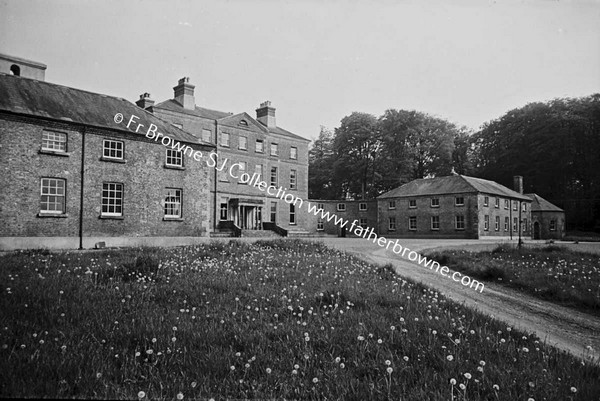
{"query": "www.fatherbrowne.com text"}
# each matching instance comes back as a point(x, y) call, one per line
point(233, 169)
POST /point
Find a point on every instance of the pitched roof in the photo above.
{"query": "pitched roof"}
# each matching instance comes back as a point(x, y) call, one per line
point(173, 105)
point(43, 99)
point(540, 204)
point(236, 120)
point(452, 184)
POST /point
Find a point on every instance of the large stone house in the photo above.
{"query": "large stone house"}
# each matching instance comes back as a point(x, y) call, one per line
point(260, 146)
point(455, 206)
point(72, 177)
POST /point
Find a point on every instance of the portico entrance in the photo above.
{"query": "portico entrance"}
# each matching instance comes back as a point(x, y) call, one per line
point(247, 213)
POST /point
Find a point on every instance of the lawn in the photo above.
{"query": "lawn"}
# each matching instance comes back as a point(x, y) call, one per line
point(552, 273)
point(277, 319)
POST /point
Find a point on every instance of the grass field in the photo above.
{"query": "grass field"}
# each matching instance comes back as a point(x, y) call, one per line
point(283, 319)
point(552, 273)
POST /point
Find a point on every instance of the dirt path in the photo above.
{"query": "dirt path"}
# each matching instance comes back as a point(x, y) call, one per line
point(562, 327)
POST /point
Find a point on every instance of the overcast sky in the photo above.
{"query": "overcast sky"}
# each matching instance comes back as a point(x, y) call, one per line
point(468, 60)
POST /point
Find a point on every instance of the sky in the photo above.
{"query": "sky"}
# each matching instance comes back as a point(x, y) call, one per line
point(468, 61)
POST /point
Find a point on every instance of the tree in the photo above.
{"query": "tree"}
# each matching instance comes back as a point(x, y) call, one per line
point(356, 145)
point(320, 165)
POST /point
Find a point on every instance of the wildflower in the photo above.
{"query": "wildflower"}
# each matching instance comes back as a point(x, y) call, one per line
point(269, 371)
point(247, 365)
point(232, 368)
point(194, 384)
point(315, 380)
point(388, 362)
point(98, 375)
point(453, 382)
point(141, 395)
point(238, 354)
point(573, 390)
point(294, 372)
point(525, 349)
point(389, 370)
point(380, 341)
point(298, 366)
point(482, 363)
point(462, 386)
point(360, 338)
point(468, 376)
point(450, 358)
point(174, 339)
point(180, 396)
point(342, 365)
point(392, 328)
point(154, 341)
point(496, 387)
point(405, 359)
point(480, 369)
point(149, 352)
point(434, 332)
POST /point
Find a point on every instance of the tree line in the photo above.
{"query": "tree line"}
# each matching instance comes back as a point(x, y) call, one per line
point(554, 145)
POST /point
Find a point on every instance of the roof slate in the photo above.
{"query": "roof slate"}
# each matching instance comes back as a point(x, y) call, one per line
point(540, 204)
point(453, 184)
point(43, 99)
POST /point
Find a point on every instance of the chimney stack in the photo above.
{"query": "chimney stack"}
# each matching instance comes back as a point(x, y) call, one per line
point(518, 183)
point(266, 114)
point(184, 94)
point(144, 102)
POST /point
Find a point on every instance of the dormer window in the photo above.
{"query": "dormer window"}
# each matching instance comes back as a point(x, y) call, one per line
point(15, 70)
point(243, 123)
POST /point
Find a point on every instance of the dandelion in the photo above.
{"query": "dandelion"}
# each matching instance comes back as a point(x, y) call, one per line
point(405, 359)
point(141, 395)
point(480, 369)
point(468, 376)
point(388, 362)
point(530, 399)
point(294, 372)
point(450, 358)
point(573, 390)
point(269, 371)
point(360, 338)
point(434, 332)
point(462, 386)
point(154, 341)
point(392, 328)
point(482, 363)
point(496, 387)
point(98, 375)
point(194, 384)
point(232, 368)
point(315, 380)
point(180, 396)
point(525, 349)
point(453, 382)
point(149, 352)
point(342, 365)
point(380, 341)
point(174, 339)
point(389, 370)
point(238, 354)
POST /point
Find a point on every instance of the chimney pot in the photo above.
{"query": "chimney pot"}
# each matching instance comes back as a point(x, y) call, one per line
point(265, 114)
point(145, 101)
point(184, 94)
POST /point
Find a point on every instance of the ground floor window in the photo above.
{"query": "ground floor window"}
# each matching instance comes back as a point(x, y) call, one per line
point(460, 222)
point(292, 214)
point(112, 199)
point(412, 223)
point(173, 202)
point(392, 224)
point(506, 224)
point(515, 223)
point(486, 222)
point(435, 222)
point(320, 225)
point(53, 195)
point(363, 223)
point(273, 212)
point(552, 225)
point(497, 223)
point(223, 211)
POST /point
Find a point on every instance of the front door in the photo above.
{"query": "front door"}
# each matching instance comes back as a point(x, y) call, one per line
point(536, 230)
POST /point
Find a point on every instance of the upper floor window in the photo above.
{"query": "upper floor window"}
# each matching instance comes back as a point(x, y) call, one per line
point(319, 206)
point(497, 204)
point(173, 203)
point(274, 176)
point(459, 201)
point(294, 153)
point(486, 201)
point(552, 225)
point(243, 145)
point(243, 123)
point(506, 204)
point(242, 171)
point(435, 202)
point(258, 169)
point(52, 196)
point(362, 206)
point(54, 141)
point(225, 139)
point(260, 146)
point(174, 158)
point(206, 135)
point(392, 204)
point(412, 203)
point(112, 199)
point(274, 149)
point(341, 207)
point(112, 149)
point(524, 206)
point(515, 206)
point(292, 179)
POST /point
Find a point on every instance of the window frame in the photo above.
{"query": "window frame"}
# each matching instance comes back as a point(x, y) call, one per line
point(320, 225)
point(486, 222)
point(435, 219)
point(412, 219)
point(178, 194)
point(506, 223)
point(225, 143)
point(273, 212)
point(245, 143)
point(506, 204)
point(274, 176)
point(47, 212)
point(462, 221)
point(497, 203)
point(206, 132)
point(293, 155)
point(53, 141)
point(435, 204)
point(392, 223)
point(361, 208)
point(456, 202)
point(243, 168)
point(552, 225)
point(108, 205)
point(363, 222)
point(497, 223)
point(390, 207)
point(105, 148)
point(412, 203)
point(260, 149)
point(292, 214)
point(486, 201)
point(293, 179)
point(274, 146)
point(260, 173)
point(223, 209)
point(175, 157)
point(341, 207)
